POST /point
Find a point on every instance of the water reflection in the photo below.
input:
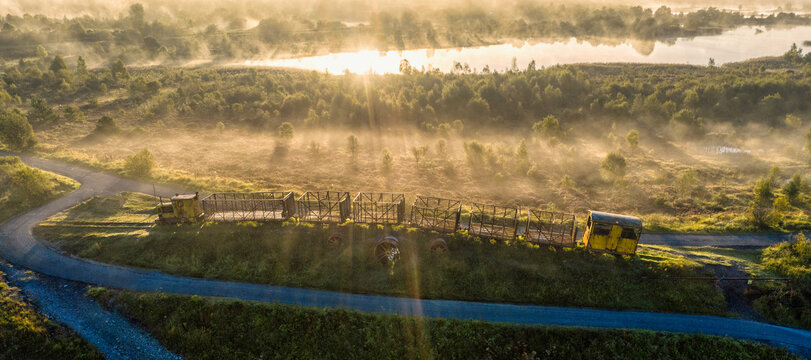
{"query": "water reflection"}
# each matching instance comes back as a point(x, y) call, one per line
point(735, 45)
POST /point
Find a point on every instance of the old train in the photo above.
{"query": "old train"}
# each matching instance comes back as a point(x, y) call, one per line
point(605, 232)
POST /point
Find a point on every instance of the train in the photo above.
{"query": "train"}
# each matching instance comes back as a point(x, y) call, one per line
point(604, 232)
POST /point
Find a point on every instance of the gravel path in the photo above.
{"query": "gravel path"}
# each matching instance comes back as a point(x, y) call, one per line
point(64, 301)
point(18, 245)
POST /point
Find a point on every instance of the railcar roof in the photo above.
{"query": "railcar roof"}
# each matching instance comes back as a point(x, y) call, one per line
point(615, 219)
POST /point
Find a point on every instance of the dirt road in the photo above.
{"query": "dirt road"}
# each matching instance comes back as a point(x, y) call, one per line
point(18, 246)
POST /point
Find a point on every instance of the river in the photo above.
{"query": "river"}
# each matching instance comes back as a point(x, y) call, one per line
point(730, 46)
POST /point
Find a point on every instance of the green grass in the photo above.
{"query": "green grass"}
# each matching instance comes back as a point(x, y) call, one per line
point(788, 304)
point(732, 221)
point(25, 334)
point(23, 188)
point(294, 254)
point(192, 325)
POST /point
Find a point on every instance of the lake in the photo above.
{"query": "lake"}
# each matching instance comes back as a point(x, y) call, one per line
point(730, 46)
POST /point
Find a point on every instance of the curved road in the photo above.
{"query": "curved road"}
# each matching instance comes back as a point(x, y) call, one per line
point(18, 246)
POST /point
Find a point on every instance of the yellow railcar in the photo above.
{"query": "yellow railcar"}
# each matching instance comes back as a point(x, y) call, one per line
point(184, 208)
point(612, 232)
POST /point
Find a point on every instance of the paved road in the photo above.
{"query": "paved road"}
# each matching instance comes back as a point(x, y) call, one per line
point(18, 245)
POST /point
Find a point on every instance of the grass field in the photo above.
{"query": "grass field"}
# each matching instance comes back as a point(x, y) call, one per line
point(294, 254)
point(23, 188)
point(190, 325)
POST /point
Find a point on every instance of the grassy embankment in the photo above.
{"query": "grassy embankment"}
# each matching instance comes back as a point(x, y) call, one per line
point(293, 254)
point(190, 325)
point(788, 304)
point(25, 334)
point(23, 188)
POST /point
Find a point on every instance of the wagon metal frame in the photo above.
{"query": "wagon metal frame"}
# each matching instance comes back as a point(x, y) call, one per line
point(324, 206)
point(257, 206)
point(378, 208)
point(437, 214)
point(551, 228)
point(493, 221)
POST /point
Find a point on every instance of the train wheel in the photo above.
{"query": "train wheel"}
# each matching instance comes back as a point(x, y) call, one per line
point(439, 246)
point(335, 240)
point(387, 250)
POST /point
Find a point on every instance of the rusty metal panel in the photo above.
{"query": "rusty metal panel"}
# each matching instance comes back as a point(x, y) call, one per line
point(437, 214)
point(493, 221)
point(258, 206)
point(378, 208)
point(551, 228)
point(324, 206)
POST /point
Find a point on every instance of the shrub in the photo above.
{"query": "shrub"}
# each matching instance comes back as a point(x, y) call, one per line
point(139, 164)
point(106, 126)
point(15, 130)
point(352, 145)
point(632, 138)
point(614, 165)
point(548, 128)
point(285, 131)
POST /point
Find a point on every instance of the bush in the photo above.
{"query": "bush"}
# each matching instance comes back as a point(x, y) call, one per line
point(15, 130)
point(614, 165)
point(106, 126)
point(632, 139)
point(549, 128)
point(285, 131)
point(140, 164)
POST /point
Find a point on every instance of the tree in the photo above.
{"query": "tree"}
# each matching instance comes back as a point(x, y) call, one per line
point(387, 161)
point(794, 55)
point(58, 64)
point(793, 121)
point(352, 145)
point(711, 63)
point(795, 187)
point(41, 52)
point(81, 67)
point(40, 112)
point(614, 165)
point(632, 138)
point(548, 128)
point(689, 121)
point(15, 130)
point(285, 131)
point(760, 208)
point(140, 164)
point(119, 70)
point(808, 140)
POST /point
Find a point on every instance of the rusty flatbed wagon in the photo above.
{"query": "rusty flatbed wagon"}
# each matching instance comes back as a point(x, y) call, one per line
point(551, 228)
point(436, 214)
point(493, 221)
point(324, 206)
point(378, 208)
point(258, 206)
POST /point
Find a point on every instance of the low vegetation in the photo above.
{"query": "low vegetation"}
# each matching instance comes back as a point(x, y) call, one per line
point(189, 325)
point(25, 334)
point(295, 254)
point(788, 304)
point(23, 188)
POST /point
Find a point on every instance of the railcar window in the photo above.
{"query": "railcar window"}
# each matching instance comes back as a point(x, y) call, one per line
point(628, 233)
point(600, 229)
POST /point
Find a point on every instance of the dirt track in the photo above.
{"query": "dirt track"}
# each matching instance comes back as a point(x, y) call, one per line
point(18, 245)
